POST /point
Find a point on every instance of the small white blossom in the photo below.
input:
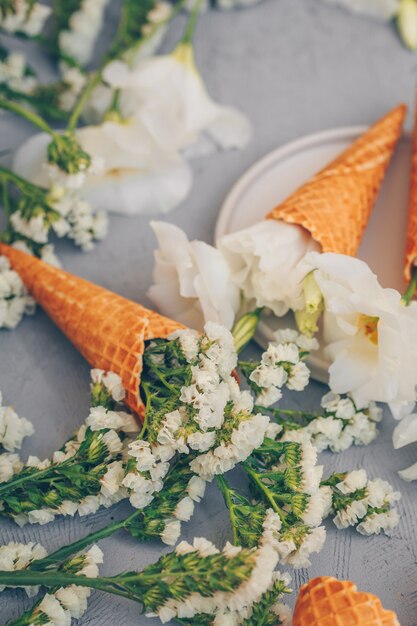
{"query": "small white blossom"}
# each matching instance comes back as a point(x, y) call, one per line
point(13, 429)
point(14, 299)
point(171, 532)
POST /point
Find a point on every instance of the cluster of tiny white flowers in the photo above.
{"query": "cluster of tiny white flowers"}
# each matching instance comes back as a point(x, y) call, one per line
point(112, 487)
point(13, 429)
point(74, 80)
point(292, 551)
point(233, 606)
point(184, 510)
point(13, 73)
point(69, 603)
point(343, 424)
point(212, 388)
point(28, 18)
point(76, 220)
point(63, 182)
point(282, 365)
point(17, 556)
point(10, 464)
point(364, 512)
point(15, 301)
point(84, 26)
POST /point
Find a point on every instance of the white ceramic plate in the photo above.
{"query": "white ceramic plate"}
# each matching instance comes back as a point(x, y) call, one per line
point(279, 173)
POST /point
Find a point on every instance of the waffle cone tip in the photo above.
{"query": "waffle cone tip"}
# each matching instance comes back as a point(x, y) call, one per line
point(335, 205)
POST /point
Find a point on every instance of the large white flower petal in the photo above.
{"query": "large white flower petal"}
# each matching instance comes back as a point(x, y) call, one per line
point(192, 280)
point(405, 432)
point(264, 263)
point(368, 333)
point(409, 474)
point(169, 96)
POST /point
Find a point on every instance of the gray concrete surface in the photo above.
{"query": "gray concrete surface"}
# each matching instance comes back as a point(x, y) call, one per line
point(295, 67)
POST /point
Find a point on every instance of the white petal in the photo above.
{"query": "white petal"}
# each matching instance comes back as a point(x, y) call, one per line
point(405, 432)
point(409, 474)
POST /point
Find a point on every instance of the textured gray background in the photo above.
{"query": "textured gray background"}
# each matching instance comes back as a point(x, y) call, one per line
point(295, 67)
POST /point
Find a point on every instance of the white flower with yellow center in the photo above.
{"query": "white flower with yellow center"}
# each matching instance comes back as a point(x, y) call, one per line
point(169, 95)
point(368, 332)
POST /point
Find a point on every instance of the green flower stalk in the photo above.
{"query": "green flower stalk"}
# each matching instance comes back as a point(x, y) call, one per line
point(199, 574)
point(365, 504)
point(245, 328)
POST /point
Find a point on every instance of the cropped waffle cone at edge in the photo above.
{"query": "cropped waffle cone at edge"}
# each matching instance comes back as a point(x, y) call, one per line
point(411, 243)
point(327, 601)
point(335, 205)
point(106, 328)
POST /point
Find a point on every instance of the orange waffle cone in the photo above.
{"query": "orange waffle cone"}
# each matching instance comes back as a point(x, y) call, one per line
point(411, 244)
point(326, 601)
point(106, 328)
point(335, 205)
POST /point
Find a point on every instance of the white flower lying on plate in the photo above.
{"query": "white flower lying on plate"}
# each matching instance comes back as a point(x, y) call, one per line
point(264, 262)
point(138, 175)
point(368, 333)
point(382, 9)
point(169, 95)
point(192, 280)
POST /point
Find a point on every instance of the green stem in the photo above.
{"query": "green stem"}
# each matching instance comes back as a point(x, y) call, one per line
point(30, 116)
point(92, 82)
point(64, 553)
point(5, 196)
point(264, 491)
point(53, 579)
point(20, 182)
point(13, 483)
point(192, 22)
point(225, 490)
point(411, 289)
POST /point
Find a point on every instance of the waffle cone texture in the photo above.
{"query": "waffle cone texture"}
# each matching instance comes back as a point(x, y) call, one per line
point(335, 205)
point(326, 601)
point(109, 330)
point(411, 242)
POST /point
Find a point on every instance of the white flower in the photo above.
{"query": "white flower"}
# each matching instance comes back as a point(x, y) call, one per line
point(178, 114)
point(112, 479)
point(196, 488)
point(14, 299)
point(368, 332)
point(351, 514)
point(184, 509)
point(192, 280)
point(111, 381)
point(138, 175)
point(377, 522)
point(406, 431)
point(101, 418)
point(264, 263)
point(41, 516)
point(13, 429)
point(353, 481)
point(171, 532)
point(381, 9)
point(84, 26)
point(17, 556)
point(10, 464)
point(28, 18)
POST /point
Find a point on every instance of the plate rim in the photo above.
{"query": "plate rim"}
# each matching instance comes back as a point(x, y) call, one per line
point(280, 153)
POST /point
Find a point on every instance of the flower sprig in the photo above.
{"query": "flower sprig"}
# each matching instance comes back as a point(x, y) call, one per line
point(62, 604)
point(15, 302)
point(354, 500)
point(337, 427)
point(281, 365)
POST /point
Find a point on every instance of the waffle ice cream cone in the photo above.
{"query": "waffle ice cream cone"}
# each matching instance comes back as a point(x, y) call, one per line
point(335, 205)
point(109, 330)
point(411, 242)
point(326, 601)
